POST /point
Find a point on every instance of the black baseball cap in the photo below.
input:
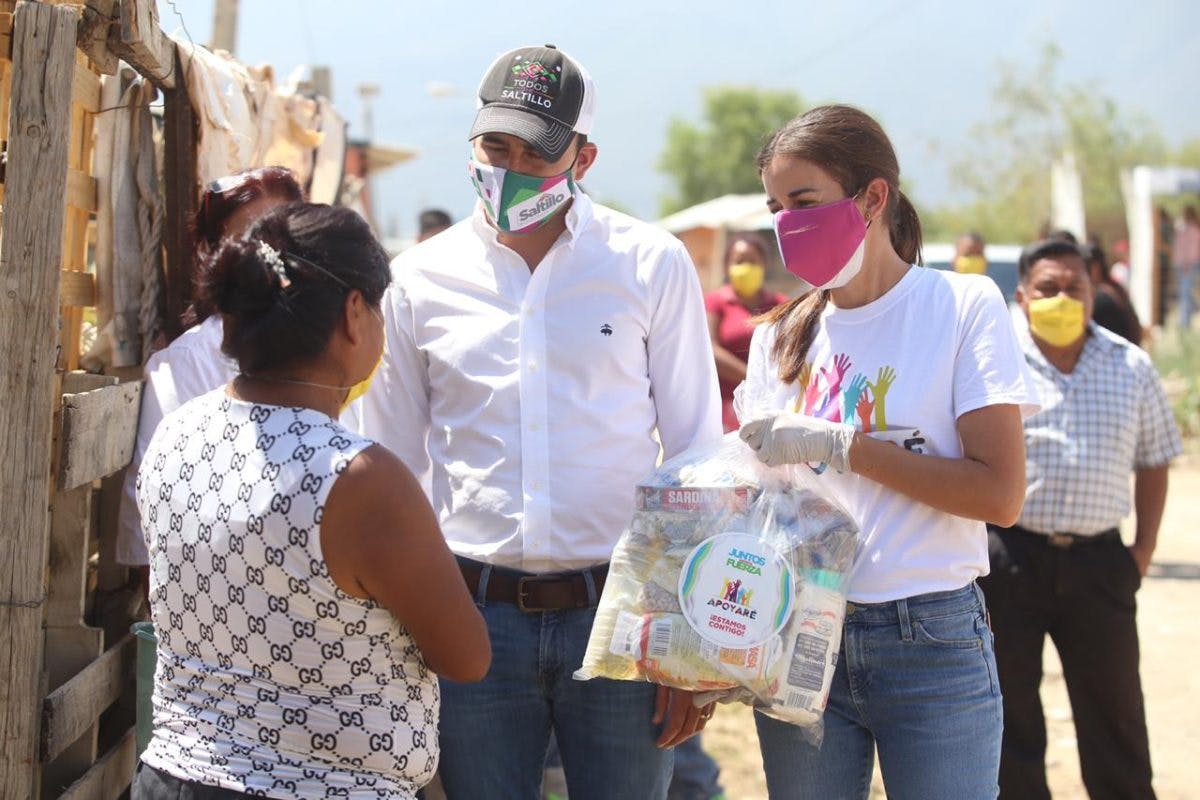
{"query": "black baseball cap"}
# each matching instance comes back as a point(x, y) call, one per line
point(538, 94)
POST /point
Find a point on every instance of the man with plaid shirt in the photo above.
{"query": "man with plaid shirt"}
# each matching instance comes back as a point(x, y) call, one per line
point(1063, 569)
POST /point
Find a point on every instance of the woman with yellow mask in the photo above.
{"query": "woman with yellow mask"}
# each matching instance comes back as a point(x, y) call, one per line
point(730, 311)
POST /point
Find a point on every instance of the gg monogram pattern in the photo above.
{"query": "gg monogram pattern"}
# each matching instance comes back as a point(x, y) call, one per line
point(270, 679)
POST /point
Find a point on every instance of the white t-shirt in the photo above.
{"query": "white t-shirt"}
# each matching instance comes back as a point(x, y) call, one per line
point(934, 347)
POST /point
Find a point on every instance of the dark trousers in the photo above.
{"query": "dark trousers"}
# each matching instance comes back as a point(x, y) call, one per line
point(153, 784)
point(1083, 597)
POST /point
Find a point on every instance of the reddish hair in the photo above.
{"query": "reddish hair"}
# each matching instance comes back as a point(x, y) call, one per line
point(221, 200)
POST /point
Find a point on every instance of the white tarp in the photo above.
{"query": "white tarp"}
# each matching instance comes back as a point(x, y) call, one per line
point(735, 212)
point(129, 220)
point(1066, 197)
point(1139, 186)
point(246, 121)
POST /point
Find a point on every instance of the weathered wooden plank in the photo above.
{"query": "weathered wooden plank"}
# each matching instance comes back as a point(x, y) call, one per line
point(67, 565)
point(43, 67)
point(78, 288)
point(81, 191)
point(110, 776)
point(6, 35)
point(98, 433)
point(179, 168)
point(80, 382)
point(72, 708)
point(98, 18)
point(144, 45)
point(70, 649)
point(86, 91)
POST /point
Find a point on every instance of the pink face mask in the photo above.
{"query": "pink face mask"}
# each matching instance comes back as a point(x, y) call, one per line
point(822, 245)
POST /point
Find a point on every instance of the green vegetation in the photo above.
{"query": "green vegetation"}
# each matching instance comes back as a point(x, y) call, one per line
point(716, 157)
point(1002, 176)
point(1177, 356)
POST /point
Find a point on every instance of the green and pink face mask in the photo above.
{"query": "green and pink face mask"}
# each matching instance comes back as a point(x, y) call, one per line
point(518, 203)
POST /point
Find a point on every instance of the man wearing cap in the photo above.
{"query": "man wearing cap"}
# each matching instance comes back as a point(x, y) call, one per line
point(1063, 570)
point(533, 352)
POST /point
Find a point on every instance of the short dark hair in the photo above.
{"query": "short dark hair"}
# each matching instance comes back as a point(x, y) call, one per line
point(282, 286)
point(433, 219)
point(1063, 234)
point(1046, 248)
point(750, 239)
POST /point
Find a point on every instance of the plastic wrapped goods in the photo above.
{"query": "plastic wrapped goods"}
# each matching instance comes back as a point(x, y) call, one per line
point(730, 578)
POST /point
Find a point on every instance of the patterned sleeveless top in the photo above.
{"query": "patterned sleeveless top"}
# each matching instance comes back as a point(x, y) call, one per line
point(271, 680)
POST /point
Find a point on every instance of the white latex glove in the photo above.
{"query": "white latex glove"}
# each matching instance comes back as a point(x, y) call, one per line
point(798, 439)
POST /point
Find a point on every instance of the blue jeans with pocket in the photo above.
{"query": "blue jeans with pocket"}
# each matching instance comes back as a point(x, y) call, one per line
point(917, 678)
point(494, 733)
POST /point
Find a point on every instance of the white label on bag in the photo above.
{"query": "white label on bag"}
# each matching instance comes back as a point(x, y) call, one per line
point(736, 590)
point(627, 636)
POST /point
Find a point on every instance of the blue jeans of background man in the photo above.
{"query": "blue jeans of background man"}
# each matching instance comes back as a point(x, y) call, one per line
point(696, 773)
point(917, 678)
point(1187, 277)
point(494, 733)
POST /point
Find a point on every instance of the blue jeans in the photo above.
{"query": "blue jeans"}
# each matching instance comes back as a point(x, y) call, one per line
point(917, 677)
point(494, 733)
point(696, 773)
point(1187, 276)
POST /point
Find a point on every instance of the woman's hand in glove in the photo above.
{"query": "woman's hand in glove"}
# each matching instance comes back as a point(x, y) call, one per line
point(789, 438)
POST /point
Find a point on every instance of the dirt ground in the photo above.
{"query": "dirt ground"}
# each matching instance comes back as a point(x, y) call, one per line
point(1170, 637)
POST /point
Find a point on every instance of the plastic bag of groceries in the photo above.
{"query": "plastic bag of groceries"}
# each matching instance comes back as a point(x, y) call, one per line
point(730, 577)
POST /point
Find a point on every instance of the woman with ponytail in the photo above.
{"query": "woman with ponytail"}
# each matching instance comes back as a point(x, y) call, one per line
point(909, 386)
point(301, 589)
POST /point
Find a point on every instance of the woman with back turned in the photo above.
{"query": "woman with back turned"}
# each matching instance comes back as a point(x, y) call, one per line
point(301, 590)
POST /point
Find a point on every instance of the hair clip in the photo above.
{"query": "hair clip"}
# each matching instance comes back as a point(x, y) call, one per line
point(275, 260)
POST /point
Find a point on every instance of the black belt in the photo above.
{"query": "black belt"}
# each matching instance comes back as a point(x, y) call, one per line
point(1064, 540)
point(557, 591)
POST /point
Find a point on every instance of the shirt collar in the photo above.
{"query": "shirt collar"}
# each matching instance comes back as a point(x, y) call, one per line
point(1095, 344)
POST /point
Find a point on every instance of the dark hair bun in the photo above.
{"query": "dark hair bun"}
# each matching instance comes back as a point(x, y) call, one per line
point(281, 288)
point(238, 280)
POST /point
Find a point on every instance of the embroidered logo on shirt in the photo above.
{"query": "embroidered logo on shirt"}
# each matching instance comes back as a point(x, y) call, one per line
point(606, 329)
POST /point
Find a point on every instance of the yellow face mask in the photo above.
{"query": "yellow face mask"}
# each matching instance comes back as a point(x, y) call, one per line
point(359, 389)
point(1058, 321)
point(971, 265)
point(746, 279)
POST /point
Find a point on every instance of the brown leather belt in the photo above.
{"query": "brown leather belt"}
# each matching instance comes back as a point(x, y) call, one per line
point(556, 591)
point(1064, 541)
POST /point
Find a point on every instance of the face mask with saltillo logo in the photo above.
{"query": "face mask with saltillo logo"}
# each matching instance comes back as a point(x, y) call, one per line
point(518, 203)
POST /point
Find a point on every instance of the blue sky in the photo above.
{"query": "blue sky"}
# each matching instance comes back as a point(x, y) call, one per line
point(924, 68)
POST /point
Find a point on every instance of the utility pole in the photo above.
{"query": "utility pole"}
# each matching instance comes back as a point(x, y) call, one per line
point(368, 92)
point(225, 17)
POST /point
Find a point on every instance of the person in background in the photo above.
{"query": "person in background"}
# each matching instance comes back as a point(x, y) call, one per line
point(731, 308)
point(1062, 569)
point(193, 364)
point(1112, 308)
point(1185, 258)
point(968, 254)
point(1163, 241)
point(431, 222)
point(301, 591)
point(533, 351)
point(1119, 269)
point(908, 384)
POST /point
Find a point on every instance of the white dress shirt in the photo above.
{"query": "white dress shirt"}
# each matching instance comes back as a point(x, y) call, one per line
point(190, 366)
point(534, 396)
